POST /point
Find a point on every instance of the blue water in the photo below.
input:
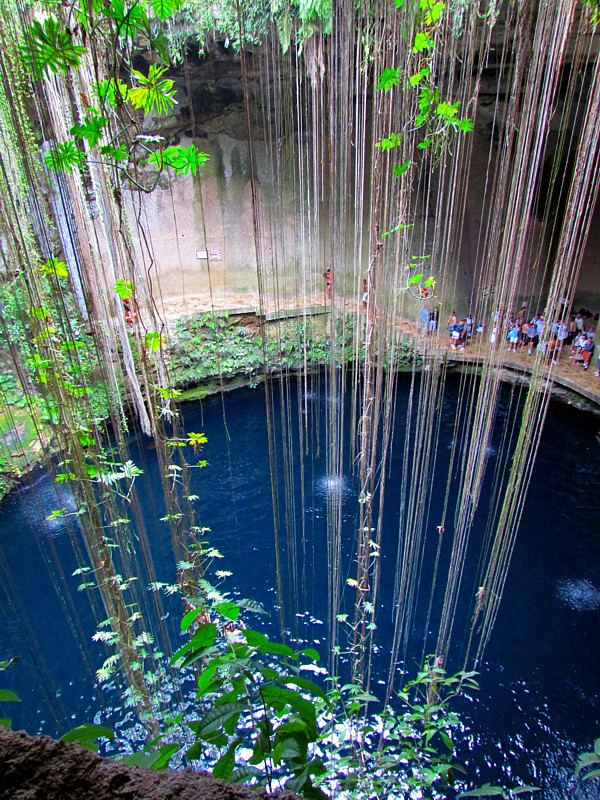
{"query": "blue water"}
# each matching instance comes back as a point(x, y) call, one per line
point(538, 705)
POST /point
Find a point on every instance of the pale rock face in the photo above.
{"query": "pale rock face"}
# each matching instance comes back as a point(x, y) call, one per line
point(202, 229)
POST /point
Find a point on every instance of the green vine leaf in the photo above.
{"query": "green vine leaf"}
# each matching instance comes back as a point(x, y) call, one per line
point(446, 110)
point(112, 92)
point(125, 289)
point(215, 719)
point(153, 93)
point(388, 79)
point(389, 143)
point(224, 766)
point(156, 760)
point(127, 20)
point(92, 129)
point(6, 696)
point(87, 734)
point(116, 153)
point(423, 41)
point(243, 774)
point(464, 125)
point(182, 159)
point(586, 760)
point(64, 156)
point(49, 47)
point(484, 791)
point(415, 79)
point(434, 11)
point(153, 341)
point(165, 8)
point(400, 169)
point(55, 267)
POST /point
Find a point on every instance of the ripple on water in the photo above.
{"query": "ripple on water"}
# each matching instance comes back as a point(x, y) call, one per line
point(579, 595)
point(334, 487)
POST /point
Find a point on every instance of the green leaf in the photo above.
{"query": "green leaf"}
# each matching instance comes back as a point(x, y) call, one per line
point(153, 341)
point(484, 791)
point(464, 125)
point(49, 47)
point(243, 774)
point(112, 92)
point(287, 749)
point(586, 760)
point(214, 720)
point(314, 767)
point(434, 13)
point(165, 8)
point(195, 751)
point(394, 140)
point(205, 679)
point(205, 635)
point(594, 773)
point(128, 20)
point(5, 722)
point(278, 698)
point(422, 42)
point(125, 290)
point(6, 696)
point(252, 605)
point(415, 279)
point(201, 642)
point(164, 755)
point(228, 610)
point(388, 79)
point(425, 143)
point(523, 789)
point(87, 734)
point(153, 92)
point(447, 741)
point(428, 98)
point(55, 267)
point(400, 169)
point(311, 653)
point(64, 156)
point(230, 724)
point(447, 110)
point(92, 129)
point(263, 645)
point(182, 159)
point(305, 684)
point(116, 153)
point(189, 618)
point(156, 760)
point(224, 766)
point(415, 79)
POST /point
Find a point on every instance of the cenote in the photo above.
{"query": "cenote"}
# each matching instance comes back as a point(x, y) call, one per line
point(537, 707)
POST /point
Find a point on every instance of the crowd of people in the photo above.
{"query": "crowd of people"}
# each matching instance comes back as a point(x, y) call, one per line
point(575, 336)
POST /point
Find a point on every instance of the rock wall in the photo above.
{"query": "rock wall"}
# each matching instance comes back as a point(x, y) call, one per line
point(39, 768)
point(202, 229)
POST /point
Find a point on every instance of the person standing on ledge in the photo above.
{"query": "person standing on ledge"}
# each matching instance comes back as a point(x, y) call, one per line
point(328, 275)
point(365, 295)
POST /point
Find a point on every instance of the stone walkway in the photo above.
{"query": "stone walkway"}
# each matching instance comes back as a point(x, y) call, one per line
point(565, 373)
